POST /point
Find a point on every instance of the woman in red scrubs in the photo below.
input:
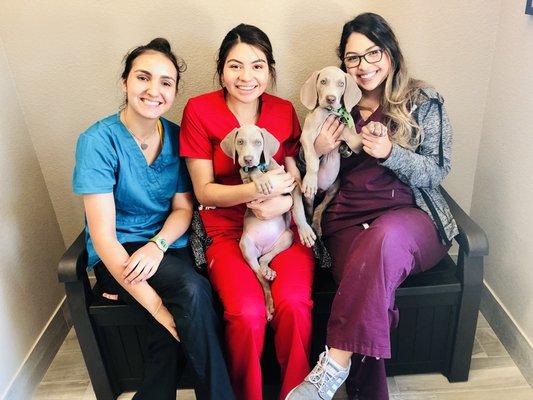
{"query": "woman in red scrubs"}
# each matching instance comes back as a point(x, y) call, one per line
point(245, 67)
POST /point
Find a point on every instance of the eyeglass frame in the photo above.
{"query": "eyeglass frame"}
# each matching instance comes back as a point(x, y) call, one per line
point(361, 57)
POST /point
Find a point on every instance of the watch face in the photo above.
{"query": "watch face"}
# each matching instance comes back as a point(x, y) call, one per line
point(161, 243)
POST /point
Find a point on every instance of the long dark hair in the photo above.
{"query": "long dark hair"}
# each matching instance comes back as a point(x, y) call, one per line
point(400, 89)
point(251, 35)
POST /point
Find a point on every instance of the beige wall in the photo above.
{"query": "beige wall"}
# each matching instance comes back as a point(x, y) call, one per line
point(503, 190)
point(67, 62)
point(31, 241)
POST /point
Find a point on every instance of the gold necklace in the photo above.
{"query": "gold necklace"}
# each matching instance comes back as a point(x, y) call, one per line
point(142, 143)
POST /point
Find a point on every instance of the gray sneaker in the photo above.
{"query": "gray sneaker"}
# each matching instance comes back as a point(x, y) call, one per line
point(322, 382)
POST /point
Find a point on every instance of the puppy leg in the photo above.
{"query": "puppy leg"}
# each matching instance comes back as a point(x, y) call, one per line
point(352, 139)
point(250, 254)
point(307, 236)
point(307, 139)
point(283, 243)
point(319, 211)
point(308, 207)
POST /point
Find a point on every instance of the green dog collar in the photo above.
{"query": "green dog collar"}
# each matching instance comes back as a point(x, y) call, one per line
point(346, 117)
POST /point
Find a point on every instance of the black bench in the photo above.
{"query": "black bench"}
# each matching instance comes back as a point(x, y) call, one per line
point(438, 315)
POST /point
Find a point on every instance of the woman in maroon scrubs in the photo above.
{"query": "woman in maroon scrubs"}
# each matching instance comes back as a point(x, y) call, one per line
point(389, 218)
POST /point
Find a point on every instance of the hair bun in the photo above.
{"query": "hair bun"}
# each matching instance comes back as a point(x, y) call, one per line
point(160, 44)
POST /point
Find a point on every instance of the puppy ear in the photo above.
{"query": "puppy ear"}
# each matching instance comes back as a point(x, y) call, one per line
point(352, 93)
point(270, 145)
point(308, 92)
point(228, 144)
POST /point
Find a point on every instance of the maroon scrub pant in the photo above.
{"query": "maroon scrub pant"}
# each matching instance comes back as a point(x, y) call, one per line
point(369, 265)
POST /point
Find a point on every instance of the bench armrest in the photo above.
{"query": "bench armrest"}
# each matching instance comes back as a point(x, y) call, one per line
point(471, 238)
point(69, 269)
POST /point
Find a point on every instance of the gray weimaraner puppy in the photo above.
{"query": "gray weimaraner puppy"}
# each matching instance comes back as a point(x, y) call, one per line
point(326, 92)
point(262, 240)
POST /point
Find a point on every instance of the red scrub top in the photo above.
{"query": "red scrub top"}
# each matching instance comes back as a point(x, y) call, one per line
point(206, 121)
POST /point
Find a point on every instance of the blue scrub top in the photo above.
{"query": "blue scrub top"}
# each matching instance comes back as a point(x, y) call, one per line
point(108, 160)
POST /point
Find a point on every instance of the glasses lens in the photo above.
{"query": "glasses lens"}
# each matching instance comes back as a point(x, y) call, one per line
point(352, 61)
point(374, 56)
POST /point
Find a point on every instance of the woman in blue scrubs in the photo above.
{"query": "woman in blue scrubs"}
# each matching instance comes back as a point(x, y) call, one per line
point(138, 207)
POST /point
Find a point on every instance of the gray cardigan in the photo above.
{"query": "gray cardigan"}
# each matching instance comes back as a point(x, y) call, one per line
point(425, 168)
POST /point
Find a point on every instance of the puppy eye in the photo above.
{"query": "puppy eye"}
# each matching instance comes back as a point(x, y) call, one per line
point(322, 81)
point(257, 143)
point(240, 142)
point(341, 84)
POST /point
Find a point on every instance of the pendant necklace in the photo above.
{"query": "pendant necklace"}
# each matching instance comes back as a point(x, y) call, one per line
point(142, 143)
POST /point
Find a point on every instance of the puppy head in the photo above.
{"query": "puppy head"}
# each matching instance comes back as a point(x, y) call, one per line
point(330, 88)
point(250, 144)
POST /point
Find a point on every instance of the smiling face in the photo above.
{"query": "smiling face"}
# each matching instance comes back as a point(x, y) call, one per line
point(369, 77)
point(246, 74)
point(150, 86)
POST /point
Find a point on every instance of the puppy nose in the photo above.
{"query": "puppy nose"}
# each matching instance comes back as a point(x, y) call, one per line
point(248, 159)
point(330, 99)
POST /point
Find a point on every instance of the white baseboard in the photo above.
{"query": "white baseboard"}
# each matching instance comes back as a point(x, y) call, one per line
point(36, 364)
point(514, 340)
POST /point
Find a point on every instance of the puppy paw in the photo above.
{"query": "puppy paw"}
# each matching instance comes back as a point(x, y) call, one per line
point(310, 185)
point(270, 313)
point(268, 273)
point(307, 235)
point(263, 184)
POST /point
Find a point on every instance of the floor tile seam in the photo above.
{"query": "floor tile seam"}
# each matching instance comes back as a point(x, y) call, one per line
point(43, 382)
point(445, 391)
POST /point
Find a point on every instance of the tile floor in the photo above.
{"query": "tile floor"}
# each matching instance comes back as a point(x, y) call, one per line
point(493, 376)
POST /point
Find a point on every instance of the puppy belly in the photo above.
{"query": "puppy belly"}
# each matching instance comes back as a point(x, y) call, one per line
point(326, 178)
point(328, 170)
point(264, 233)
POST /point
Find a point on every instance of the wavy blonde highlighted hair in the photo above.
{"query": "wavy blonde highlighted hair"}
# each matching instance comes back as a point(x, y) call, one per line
point(400, 91)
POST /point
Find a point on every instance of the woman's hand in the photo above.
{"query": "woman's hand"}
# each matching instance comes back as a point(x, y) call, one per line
point(328, 138)
point(376, 141)
point(281, 182)
point(142, 264)
point(164, 317)
point(265, 209)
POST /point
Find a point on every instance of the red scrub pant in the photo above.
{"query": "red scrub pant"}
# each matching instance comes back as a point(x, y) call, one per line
point(245, 316)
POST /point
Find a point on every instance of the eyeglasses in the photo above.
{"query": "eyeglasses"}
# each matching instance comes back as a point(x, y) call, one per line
point(371, 57)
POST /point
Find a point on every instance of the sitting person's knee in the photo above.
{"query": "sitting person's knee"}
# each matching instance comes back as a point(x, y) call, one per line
point(248, 315)
point(197, 288)
point(293, 303)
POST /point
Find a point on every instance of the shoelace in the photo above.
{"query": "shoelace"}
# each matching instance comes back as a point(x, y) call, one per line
point(319, 375)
